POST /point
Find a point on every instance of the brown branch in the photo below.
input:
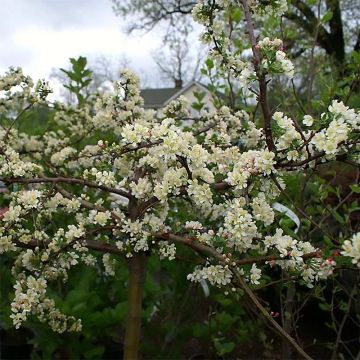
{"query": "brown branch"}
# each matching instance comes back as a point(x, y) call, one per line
point(15, 120)
point(66, 180)
point(84, 203)
point(267, 316)
point(261, 77)
point(209, 251)
point(280, 281)
point(182, 160)
point(90, 244)
point(263, 259)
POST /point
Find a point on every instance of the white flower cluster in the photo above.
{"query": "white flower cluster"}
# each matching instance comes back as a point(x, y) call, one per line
point(173, 179)
point(343, 121)
point(193, 225)
point(247, 75)
point(123, 107)
point(178, 107)
point(223, 54)
point(274, 7)
point(134, 133)
point(29, 199)
point(70, 205)
point(199, 14)
point(262, 210)
point(217, 275)
point(6, 243)
point(266, 42)
point(274, 59)
point(13, 166)
point(64, 154)
point(74, 232)
point(106, 178)
point(13, 214)
point(227, 56)
point(166, 250)
point(28, 294)
point(285, 244)
point(30, 299)
point(200, 193)
point(290, 134)
point(239, 226)
point(351, 248)
point(252, 162)
point(339, 109)
point(286, 65)
point(109, 265)
point(255, 274)
point(225, 127)
point(99, 217)
point(14, 77)
point(291, 251)
point(328, 140)
point(308, 120)
point(141, 189)
point(317, 269)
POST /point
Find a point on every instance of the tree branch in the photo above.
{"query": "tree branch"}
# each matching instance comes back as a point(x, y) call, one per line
point(66, 180)
point(268, 317)
point(261, 77)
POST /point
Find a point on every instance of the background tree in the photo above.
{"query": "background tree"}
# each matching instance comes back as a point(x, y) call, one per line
point(337, 37)
point(177, 61)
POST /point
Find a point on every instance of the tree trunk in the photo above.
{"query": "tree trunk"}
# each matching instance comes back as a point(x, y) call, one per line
point(288, 321)
point(133, 323)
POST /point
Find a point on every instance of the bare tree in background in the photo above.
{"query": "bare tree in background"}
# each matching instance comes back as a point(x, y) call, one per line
point(337, 36)
point(148, 14)
point(177, 61)
point(107, 69)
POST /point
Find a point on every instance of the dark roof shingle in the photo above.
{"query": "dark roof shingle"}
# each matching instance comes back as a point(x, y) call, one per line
point(156, 98)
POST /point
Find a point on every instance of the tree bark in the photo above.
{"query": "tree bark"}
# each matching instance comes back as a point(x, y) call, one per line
point(137, 267)
point(288, 321)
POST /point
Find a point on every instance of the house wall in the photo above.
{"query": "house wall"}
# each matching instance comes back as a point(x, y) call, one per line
point(189, 94)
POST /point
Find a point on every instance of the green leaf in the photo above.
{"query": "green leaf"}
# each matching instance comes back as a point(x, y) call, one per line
point(324, 306)
point(200, 330)
point(355, 188)
point(327, 17)
point(94, 353)
point(225, 318)
point(209, 63)
point(86, 82)
point(236, 15)
point(223, 347)
point(197, 106)
point(327, 241)
point(199, 95)
point(338, 217)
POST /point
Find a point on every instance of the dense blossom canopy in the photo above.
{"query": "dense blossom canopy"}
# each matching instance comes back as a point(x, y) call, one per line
point(120, 176)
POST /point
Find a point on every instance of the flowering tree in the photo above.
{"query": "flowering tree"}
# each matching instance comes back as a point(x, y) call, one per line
point(109, 177)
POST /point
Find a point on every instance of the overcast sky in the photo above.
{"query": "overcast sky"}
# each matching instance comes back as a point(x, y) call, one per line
point(40, 35)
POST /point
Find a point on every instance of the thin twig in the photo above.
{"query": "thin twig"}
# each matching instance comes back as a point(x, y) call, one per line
point(267, 316)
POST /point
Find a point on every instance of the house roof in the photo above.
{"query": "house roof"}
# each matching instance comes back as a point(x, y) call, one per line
point(158, 98)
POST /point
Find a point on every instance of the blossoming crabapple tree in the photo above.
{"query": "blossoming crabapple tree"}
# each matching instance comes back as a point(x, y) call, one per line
point(120, 197)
